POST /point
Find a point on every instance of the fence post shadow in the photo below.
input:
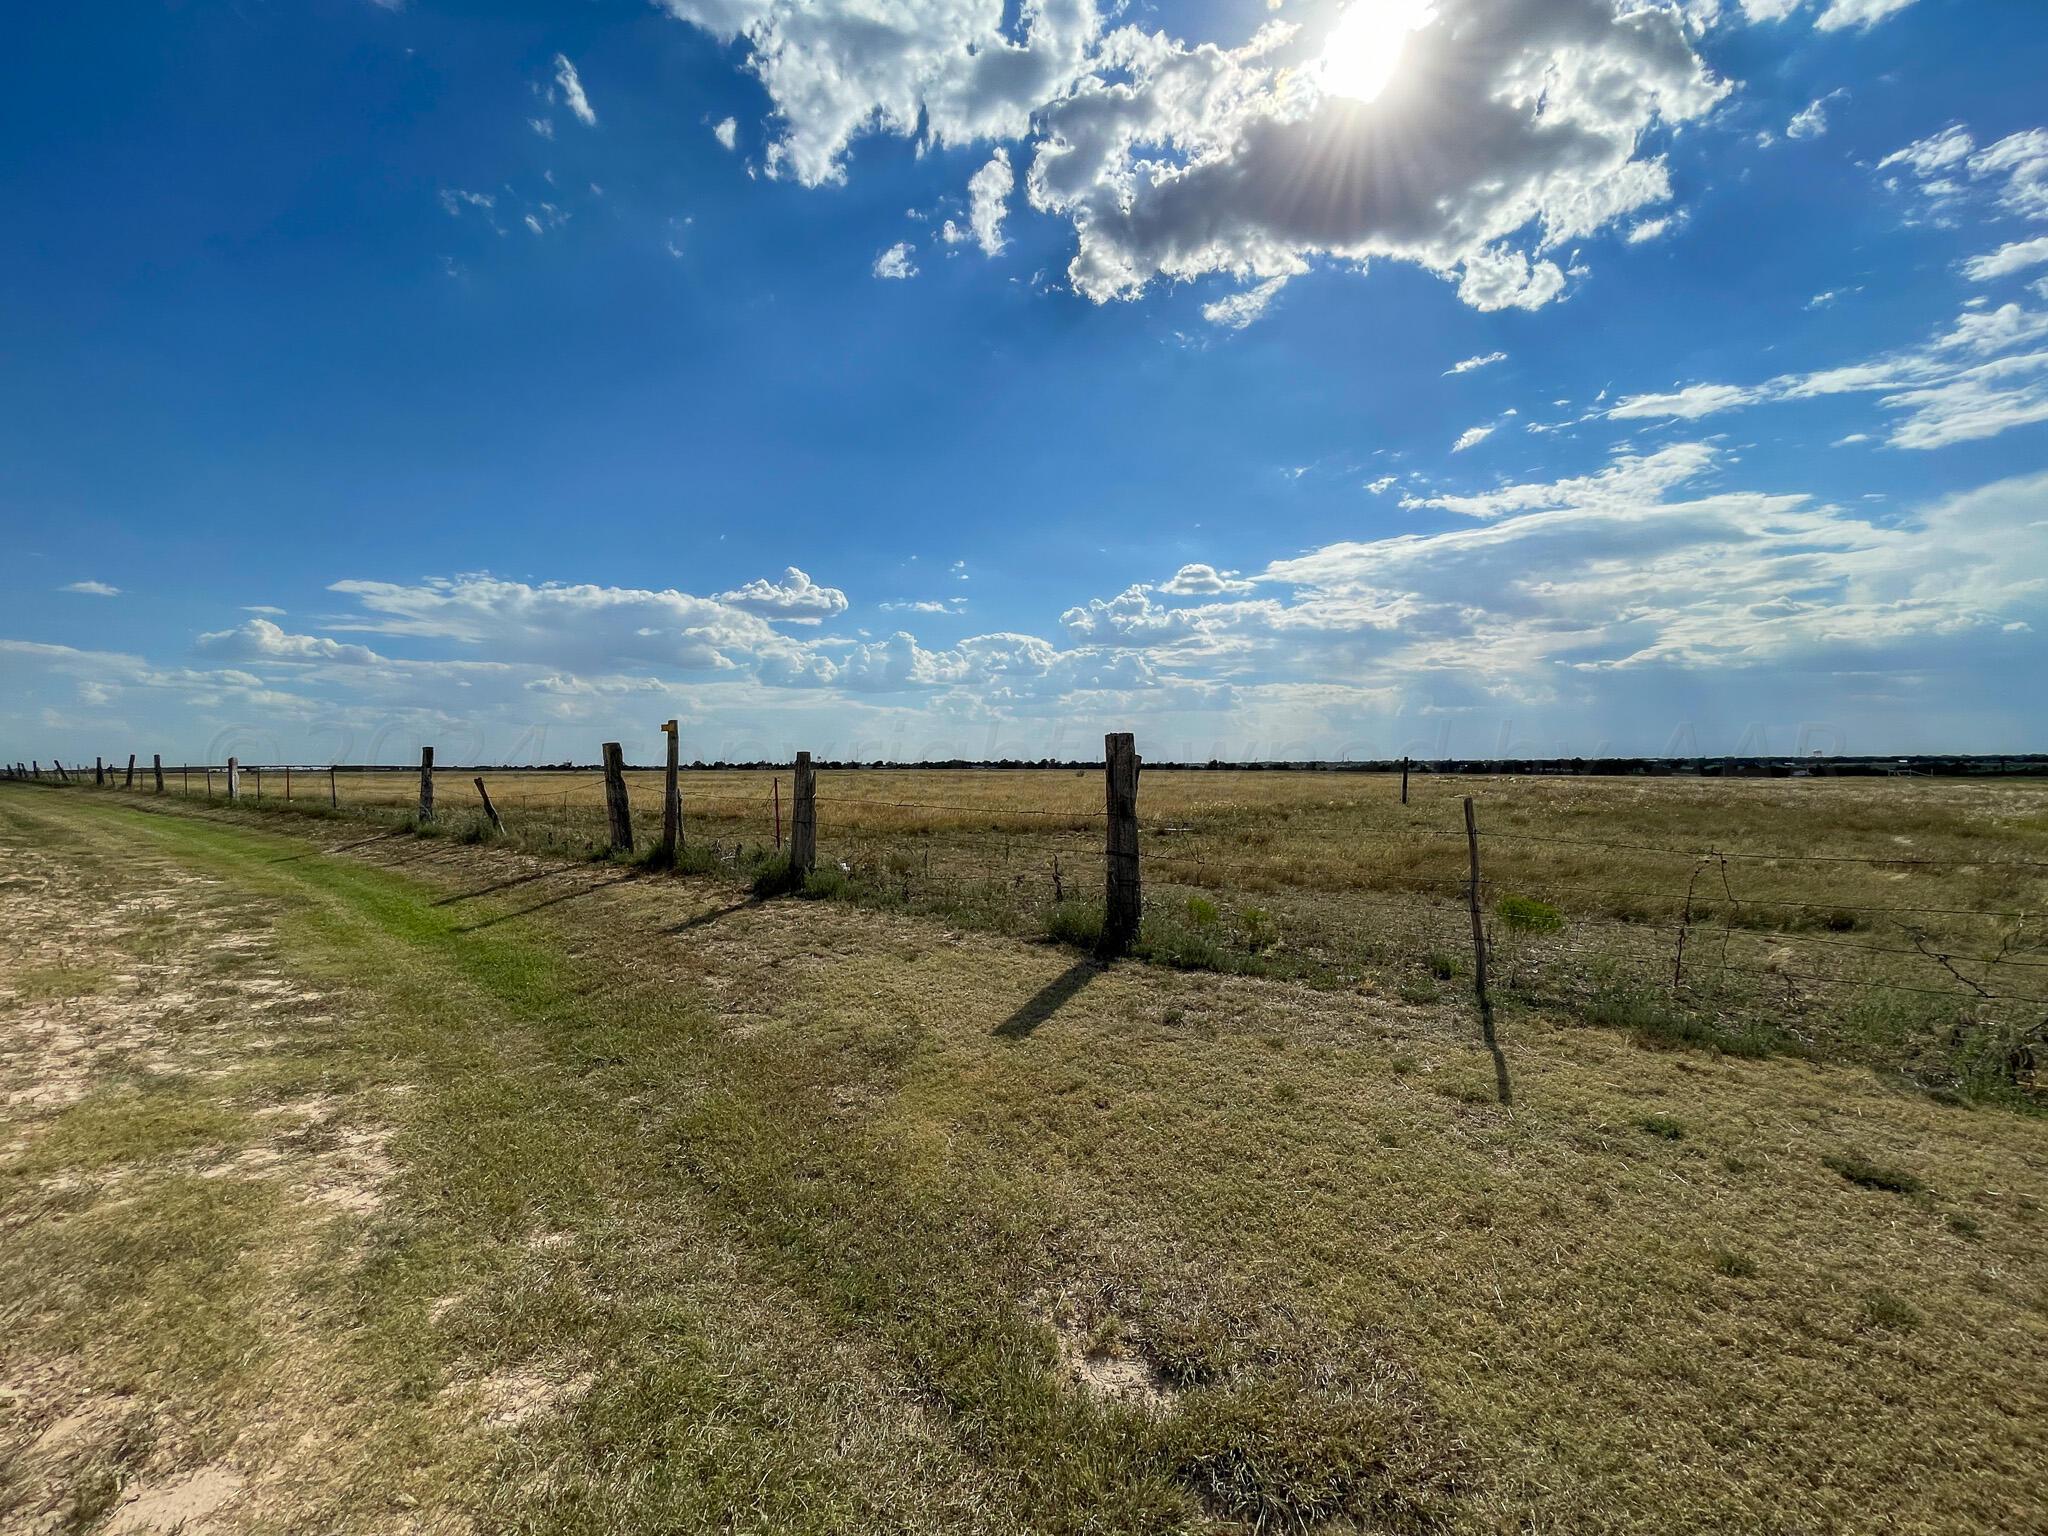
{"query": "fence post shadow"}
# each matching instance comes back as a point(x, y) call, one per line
point(1048, 1000)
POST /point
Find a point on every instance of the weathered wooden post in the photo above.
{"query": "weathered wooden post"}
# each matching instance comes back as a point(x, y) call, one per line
point(426, 784)
point(287, 783)
point(234, 778)
point(209, 783)
point(1404, 781)
point(62, 776)
point(1122, 899)
point(777, 787)
point(672, 799)
point(618, 810)
point(99, 772)
point(1500, 1064)
point(333, 794)
point(37, 764)
point(157, 762)
point(490, 810)
point(129, 783)
point(803, 818)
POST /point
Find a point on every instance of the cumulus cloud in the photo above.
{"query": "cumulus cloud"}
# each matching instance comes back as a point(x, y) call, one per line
point(1471, 437)
point(1505, 132)
point(261, 640)
point(571, 86)
point(91, 589)
point(727, 132)
point(896, 262)
point(988, 199)
point(795, 599)
point(1203, 581)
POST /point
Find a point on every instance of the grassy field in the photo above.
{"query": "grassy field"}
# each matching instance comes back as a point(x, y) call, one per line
point(1894, 922)
point(393, 1184)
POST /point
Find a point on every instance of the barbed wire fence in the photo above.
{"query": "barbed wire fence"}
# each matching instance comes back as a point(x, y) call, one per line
point(1708, 934)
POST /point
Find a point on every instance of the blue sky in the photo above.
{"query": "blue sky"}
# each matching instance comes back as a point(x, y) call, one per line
point(923, 377)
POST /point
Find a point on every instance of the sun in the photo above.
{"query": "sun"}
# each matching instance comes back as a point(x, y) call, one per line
point(1364, 49)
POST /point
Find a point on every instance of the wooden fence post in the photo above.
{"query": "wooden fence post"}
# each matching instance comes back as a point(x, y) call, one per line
point(157, 762)
point(490, 810)
point(234, 778)
point(615, 802)
point(333, 795)
point(99, 772)
point(1404, 781)
point(61, 774)
point(129, 783)
point(287, 783)
point(777, 787)
point(426, 784)
point(1500, 1064)
point(1122, 900)
point(803, 818)
point(672, 800)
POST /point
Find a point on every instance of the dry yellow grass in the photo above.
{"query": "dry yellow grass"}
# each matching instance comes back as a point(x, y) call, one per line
point(1895, 921)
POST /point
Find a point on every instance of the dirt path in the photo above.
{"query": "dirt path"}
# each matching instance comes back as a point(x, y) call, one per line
point(139, 1002)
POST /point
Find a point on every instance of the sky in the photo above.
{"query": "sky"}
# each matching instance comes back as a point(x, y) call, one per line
point(927, 378)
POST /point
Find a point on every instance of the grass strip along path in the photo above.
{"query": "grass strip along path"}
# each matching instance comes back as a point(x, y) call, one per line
point(386, 1184)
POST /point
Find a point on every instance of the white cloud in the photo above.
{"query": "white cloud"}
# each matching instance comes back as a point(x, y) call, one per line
point(1203, 581)
point(988, 197)
point(1381, 486)
point(1836, 15)
point(2014, 169)
point(896, 262)
point(1471, 437)
point(260, 640)
point(1629, 480)
point(2016, 256)
point(924, 605)
point(727, 132)
point(91, 589)
point(1810, 122)
point(1235, 311)
point(1648, 229)
point(1503, 133)
point(572, 91)
point(1687, 404)
point(1965, 384)
point(454, 199)
point(541, 126)
point(1484, 360)
point(795, 599)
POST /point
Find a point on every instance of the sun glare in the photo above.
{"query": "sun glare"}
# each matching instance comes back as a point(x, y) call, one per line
point(1364, 48)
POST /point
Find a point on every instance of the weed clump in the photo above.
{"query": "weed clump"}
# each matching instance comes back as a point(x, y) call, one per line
point(1736, 1266)
point(1663, 1126)
point(1525, 914)
point(1078, 923)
